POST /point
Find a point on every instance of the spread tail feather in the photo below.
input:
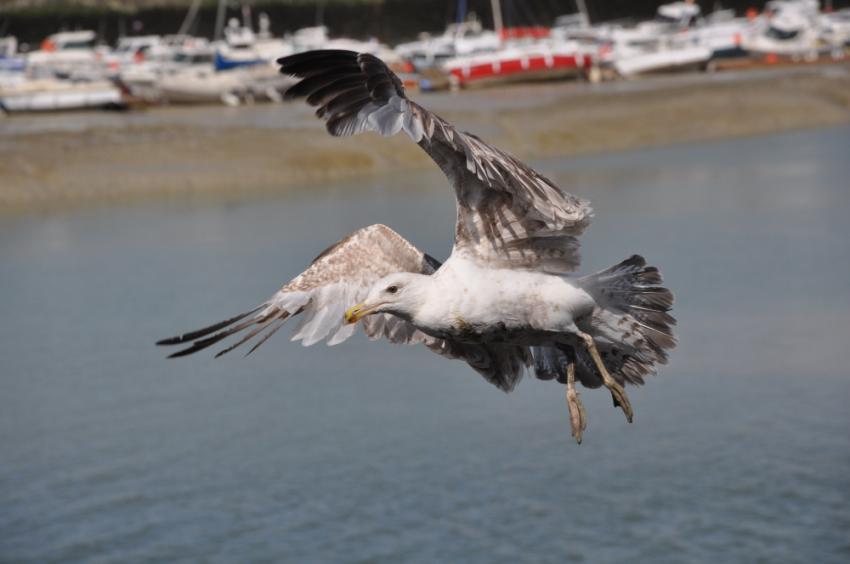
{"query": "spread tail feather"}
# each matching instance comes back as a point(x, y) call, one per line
point(631, 324)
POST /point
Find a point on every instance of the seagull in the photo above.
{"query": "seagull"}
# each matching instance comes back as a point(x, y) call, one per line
point(504, 301)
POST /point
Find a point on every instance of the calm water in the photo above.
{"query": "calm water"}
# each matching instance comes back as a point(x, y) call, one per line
point(740, 449)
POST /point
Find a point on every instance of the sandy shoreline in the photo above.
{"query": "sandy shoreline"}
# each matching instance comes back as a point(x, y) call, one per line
point(82, 159)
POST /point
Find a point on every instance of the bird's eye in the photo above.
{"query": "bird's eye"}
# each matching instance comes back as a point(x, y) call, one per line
point(392, 289)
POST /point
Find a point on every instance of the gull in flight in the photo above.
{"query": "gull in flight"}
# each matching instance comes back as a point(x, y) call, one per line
point(503, 301)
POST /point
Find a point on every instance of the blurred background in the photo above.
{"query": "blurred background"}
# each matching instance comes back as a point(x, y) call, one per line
point(153, 179)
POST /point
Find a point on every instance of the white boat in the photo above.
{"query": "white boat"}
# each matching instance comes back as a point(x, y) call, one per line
point(50, 94)
point(665, 38)
point(242, 47)
point(721, 32)
point(311, 38)
point(131, 51)
point(174, 54)
point(458, 40)
point(236, 69)
point(243, 70)
point(835, 31)
point(788, 28)
point(203, 84)
point(71, 54)
point(665, 44)
point(666, 53)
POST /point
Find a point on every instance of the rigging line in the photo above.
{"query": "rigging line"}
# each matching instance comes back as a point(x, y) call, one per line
point(189, 20)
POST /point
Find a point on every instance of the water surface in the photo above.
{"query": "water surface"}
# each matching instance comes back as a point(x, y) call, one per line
point(369, 452)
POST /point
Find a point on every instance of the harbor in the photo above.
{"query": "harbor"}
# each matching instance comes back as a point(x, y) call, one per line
point(236, 66)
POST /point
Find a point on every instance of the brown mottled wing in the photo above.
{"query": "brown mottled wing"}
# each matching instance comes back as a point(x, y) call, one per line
point(508, 214)
point(338, 278)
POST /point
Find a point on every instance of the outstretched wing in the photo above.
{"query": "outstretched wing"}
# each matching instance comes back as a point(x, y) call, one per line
point(507, 214)
point(338, 278)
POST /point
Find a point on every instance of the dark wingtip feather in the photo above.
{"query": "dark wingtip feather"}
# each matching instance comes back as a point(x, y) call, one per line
point(209, 341)
point(192, 335)
point(184, 352)
point(262, 324)
point(266, 337)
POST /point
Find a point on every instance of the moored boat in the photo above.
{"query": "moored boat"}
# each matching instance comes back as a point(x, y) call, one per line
point(788, 28)
point(458, 40)
point(51, 94)
point(203, 84)
point(518, 60)
point(661, 54)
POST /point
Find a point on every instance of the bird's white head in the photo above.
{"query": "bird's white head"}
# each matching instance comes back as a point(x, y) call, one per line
point(401, 294)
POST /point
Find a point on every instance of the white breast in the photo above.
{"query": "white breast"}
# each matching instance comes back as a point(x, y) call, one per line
point(466, 296)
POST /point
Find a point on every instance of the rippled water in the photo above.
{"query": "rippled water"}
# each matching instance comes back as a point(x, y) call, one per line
point(740, 449)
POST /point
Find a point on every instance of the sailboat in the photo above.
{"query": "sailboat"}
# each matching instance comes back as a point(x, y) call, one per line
point(242, 67)
point(522, 54)
point(33, 85)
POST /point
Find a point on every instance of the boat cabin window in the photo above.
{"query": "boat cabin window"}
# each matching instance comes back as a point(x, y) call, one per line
point(782, 34)
point(75, 45)
point(193, 58)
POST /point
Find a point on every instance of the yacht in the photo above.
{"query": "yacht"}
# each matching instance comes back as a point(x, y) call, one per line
point(787, 28)
point(520, 59)
point(635, 55)
point(243, 47)
point(205, 84)
point(172, 55)
point(722, 32)
point(72, 54)
point(458, 40)
point(50, 94)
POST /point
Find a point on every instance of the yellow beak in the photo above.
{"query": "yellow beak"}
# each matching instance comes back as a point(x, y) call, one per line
point(356, 313)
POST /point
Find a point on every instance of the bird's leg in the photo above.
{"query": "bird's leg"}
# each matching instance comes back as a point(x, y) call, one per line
point(617, 391)
point(578, 418)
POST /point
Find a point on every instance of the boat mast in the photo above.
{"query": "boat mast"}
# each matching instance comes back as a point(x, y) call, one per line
point(582, 8)
point(497, 16)
point(219, 19)
point(189, 20)
point(460, 17)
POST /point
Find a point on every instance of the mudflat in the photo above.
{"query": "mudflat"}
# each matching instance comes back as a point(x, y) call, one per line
point(62, 160)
